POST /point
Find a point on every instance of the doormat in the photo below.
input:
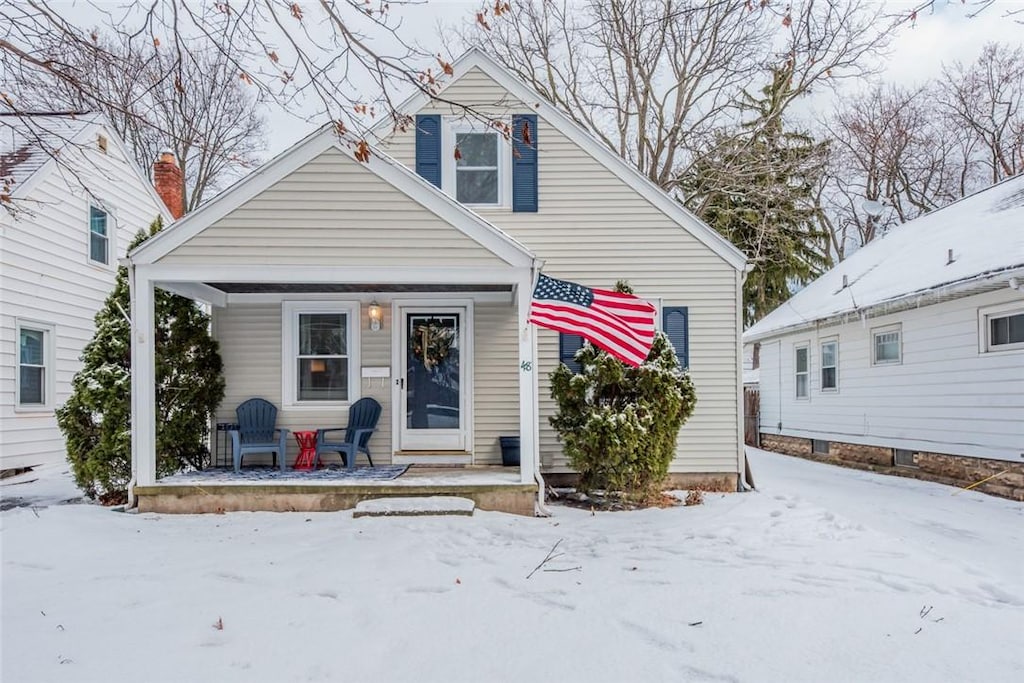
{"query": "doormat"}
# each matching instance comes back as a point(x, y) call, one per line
point(328, 473)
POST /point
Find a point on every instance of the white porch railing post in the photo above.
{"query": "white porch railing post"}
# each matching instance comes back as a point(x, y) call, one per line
point(527, 384)
point(143, 381)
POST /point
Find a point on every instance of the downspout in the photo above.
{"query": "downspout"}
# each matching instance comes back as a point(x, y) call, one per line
point(127, 263)
point(540, 510)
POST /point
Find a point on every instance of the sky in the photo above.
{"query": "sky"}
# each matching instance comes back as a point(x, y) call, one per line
point(944, 34)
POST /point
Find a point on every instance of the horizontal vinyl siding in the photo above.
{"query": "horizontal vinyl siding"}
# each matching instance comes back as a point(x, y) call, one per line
point(945, 396)
point(45, 276)
point(495, 379)
point(332, 211)
point(594, 229)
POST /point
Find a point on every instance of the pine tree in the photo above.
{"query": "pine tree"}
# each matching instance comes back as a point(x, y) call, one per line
point(618, 424)
point(96, 419)
point(758, 188)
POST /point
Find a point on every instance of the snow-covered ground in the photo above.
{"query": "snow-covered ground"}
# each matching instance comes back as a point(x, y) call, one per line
point(825, 574)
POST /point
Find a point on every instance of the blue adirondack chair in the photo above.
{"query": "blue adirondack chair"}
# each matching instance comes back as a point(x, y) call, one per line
point(256, 432)
point(362, 423)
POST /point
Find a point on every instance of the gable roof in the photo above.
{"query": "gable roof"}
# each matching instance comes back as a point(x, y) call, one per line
point(985, 232)
point(474, 58)
point(304, 151)
point(31, 144)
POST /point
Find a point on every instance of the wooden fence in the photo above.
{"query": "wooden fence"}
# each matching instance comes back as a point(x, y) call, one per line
point(751, 417)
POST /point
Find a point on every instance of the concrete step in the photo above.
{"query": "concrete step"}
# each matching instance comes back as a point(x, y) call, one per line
point(414, 506)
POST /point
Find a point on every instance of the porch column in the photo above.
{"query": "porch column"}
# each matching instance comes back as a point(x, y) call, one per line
point(528, 450)
point(143, 381)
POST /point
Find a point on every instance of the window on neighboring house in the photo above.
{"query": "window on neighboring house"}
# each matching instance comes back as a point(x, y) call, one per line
point(830, 366)
point(478, 167)
point(99, 237)
point(321, 340)
point(1006, 331)
point(803, 364)
point(34, 365)
point(885, 347)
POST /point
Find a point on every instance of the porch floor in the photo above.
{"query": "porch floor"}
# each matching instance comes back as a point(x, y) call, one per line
point(384, 476)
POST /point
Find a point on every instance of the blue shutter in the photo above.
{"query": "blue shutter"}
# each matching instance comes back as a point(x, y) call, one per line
point(675, 321)
point(568, 345)
point(524, 163)
point(428, 147)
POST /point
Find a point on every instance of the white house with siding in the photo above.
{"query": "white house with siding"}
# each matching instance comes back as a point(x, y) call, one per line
point(72, 201)
point(373, 251)
point(910, 353)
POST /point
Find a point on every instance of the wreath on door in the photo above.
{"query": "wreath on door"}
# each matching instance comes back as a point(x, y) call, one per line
point(431, 342)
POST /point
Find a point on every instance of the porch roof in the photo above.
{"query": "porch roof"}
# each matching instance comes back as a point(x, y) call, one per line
point(348, 288)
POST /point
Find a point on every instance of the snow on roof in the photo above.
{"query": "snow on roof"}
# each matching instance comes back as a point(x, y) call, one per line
point(985, 232)
point(28, 141)
point(752, 376)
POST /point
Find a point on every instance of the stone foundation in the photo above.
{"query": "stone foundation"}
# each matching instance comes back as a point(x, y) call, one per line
point(723, 482)
point(952, 470)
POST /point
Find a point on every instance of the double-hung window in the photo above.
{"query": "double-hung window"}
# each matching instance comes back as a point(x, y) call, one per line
point(886, 346)
point(321, 347)
point(478, 169)
point(830, 365)
point(35, 365)
point(99, 236)
point(802, 374)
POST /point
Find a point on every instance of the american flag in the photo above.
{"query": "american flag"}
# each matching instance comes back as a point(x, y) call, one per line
point(621, 324)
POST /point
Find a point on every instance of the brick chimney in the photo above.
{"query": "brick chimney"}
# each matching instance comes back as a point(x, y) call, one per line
point(169, 183)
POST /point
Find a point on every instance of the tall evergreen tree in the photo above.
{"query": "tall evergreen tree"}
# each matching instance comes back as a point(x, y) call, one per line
point(96, 419)
point(758, 188)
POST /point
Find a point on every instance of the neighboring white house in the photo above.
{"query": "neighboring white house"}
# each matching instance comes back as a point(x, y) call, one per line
point(63, 227)
point(911, 352)
point(371, 252)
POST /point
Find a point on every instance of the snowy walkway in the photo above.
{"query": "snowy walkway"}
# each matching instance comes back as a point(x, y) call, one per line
point(825, 575)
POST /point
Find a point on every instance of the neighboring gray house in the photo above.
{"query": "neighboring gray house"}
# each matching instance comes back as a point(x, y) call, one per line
point(63, 227)
point(373, 253)
point(910, 353)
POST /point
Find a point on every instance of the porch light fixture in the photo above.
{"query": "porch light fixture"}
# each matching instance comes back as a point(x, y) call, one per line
point(375, 315)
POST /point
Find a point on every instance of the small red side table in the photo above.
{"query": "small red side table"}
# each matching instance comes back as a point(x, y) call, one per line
point(307, 450)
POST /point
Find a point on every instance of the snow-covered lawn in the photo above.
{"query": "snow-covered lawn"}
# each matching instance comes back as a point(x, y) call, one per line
point(825, 574)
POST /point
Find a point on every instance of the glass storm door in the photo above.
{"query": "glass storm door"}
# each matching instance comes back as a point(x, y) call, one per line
point(432, 396)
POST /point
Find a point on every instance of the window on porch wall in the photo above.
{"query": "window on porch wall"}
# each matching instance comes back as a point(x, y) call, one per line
point(322, 361)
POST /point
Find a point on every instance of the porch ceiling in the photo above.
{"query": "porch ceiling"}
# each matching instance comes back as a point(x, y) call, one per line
point(342, 288)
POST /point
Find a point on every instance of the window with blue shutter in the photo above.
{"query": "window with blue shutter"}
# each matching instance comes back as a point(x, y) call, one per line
point(568, 345)
point(428, 147)
point(524, 162)
point(675, 321)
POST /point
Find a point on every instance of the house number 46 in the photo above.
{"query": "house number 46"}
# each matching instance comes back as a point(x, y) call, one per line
point(526, 366)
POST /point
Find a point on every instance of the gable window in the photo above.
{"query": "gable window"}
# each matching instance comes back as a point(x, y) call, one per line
point(830, 366)
point(320, 344)
point(886, 346)
point(99, 237)
point(477, 173)
point(35, 365)
point(802, 371)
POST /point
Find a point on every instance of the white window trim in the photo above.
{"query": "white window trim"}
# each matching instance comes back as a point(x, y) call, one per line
point(290, 311)
point(998, 311)
point(112, 226)
point(50, 367)
point(449, 129)
point(796, 373)
point(822, 367)
point(898, 329)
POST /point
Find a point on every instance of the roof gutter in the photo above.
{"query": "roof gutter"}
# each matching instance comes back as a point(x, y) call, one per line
point(979, 284)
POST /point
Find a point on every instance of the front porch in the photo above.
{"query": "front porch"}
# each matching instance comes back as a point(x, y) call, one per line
point(266, 489)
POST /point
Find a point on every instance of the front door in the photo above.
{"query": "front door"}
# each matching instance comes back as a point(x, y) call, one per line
point(431, 394)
